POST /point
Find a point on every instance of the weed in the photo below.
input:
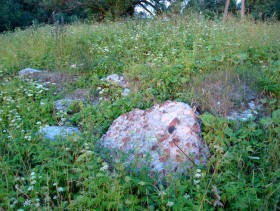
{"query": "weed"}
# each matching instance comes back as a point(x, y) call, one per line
point(175, 60)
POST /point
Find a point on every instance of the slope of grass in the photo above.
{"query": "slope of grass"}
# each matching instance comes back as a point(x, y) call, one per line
point(162, 60)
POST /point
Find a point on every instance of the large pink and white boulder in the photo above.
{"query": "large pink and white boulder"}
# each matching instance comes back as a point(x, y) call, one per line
point(165, 138)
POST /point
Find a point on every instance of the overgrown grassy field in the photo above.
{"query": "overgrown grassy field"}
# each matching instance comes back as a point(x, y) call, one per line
point(183, 60)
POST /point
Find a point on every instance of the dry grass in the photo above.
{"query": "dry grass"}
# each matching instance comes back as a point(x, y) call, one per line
point(222, 91)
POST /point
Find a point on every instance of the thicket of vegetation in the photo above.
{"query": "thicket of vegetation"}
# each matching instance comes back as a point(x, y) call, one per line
point(22, 13)
point(164, 60)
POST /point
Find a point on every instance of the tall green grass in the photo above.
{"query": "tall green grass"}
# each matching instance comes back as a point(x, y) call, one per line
point(161, 60)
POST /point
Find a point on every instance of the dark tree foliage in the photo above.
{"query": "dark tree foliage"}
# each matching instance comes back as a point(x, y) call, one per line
point(22, 13)
point(212, 8)
point(263, 9)
point(14, 13)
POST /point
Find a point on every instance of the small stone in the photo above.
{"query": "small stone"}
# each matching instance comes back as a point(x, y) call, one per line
point(126, 91)
point(243, 115)
point(252, 105)
point(53, 132)
point(28, 71)
point(63, 104)
point(116, 79)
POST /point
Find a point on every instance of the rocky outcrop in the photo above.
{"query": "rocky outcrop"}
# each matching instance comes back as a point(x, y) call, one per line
point(116, 79)
point(55, 78)
point(251, 112)
point(165, 138)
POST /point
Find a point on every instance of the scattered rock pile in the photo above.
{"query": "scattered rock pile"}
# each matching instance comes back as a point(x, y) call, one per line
point(48, 77)
point(118, 80)
point(62, 106)
point(166, 138)
point(247, 114)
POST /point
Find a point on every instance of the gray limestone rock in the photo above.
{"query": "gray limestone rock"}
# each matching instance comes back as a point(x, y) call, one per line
point(63, 104)
point(54, 132)
point(116, 79)
point(29, 71)
point(247, 114)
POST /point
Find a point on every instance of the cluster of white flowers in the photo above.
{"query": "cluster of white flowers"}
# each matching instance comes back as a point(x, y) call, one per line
point(101, 92)
point(28, 138)
point(170, 204)
point(60, 189)
point(62, 116)
point(86, 149)
point(161, 193)
point(27, 203)
point(32, 181)
point(197, 177)
point(104, 167)
point(127, 179)
point(35, 88)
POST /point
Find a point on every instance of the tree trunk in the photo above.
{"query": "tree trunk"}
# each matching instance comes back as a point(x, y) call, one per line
point(242, 9)
point(226, 10)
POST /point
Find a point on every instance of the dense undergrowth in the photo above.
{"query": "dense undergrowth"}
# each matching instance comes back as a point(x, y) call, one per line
point(163, 60)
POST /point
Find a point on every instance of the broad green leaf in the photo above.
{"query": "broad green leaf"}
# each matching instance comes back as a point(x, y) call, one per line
point(207, 119)
point(242, 56)
point(173, 79)
point(184, 80)
point(277, 63)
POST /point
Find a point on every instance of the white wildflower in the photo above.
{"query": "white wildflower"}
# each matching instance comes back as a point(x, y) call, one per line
point(170, 204)
point(60, 189)
point(197, 175)
point(196, 182)
point(30, 188)
point(104, 168)
point(127, 202)
point(127, 179)
point(27, 203)
point(187, 196)
point(161, 193)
